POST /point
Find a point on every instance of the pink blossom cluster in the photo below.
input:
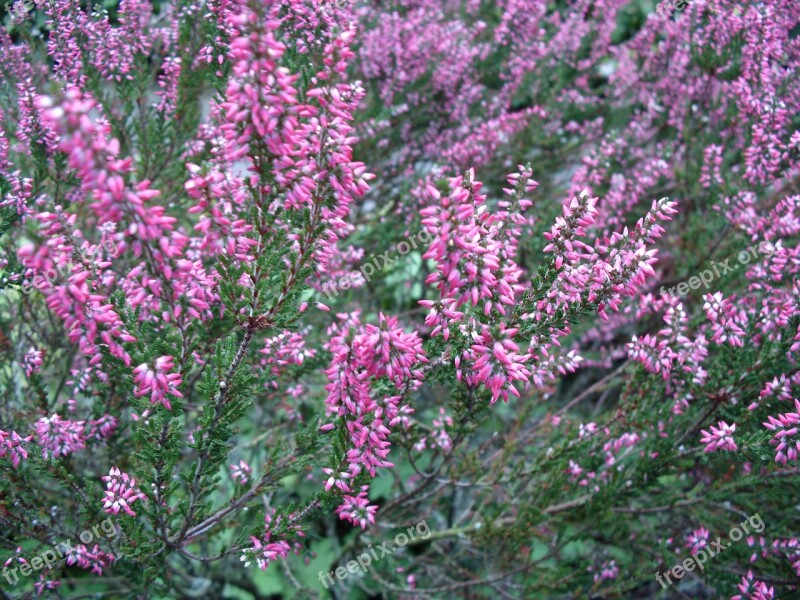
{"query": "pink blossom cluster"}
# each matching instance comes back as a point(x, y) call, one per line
point(241, 472)
point(94, 560)
point(231, 201)
point(786, 549)
point(121, 492)
point(720, 437)
point(158, 381)
point(752, 589)
point(32, 362)
point(786, 439)
point(364, 354)
point(697, 540)
point(357, 509)
point(476, 275)
point(266, 549)
point(61, 437)
point(284, 349)
point(608, 570)
point(11, 447)
point(603, 463)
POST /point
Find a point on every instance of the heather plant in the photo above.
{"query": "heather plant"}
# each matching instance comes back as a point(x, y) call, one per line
point(181, 186)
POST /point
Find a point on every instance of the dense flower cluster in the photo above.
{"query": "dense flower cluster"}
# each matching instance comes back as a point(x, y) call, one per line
point(121, 492)
point(94, 560)
point(11, 447)
point(158, 382)
point(265, 550)
point(180, 183)
point(786, 439)
point(719, 438)
point(362, 354)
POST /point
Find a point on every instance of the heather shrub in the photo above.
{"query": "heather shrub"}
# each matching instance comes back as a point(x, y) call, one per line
point(400, 299)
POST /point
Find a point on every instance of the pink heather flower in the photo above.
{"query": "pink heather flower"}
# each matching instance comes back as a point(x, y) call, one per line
point(577, 214)
point(752, 589)
point(626, 440)
point(586, 429)
point(266, 112)
point(11, 445)
point(264, 554)
point(361, 355)
point(158, 382)
point(60, 437)
point(97, 560)
point(788, 548)
point(121, 492)
point(697, 540)
point(440, 436)
point(146, 414)
point(338, 478)
point(265, 549)
point(574, 470)
point(32, 362)
point(655, 355)
point(43, 584)
point(721, 437)
point(357, 509)
point(473, 269)
point(476, 274)
point(752, 542)
point(391, 352)
point(102, 428)
point(608, 570)
point(282, 350)
point(398, 415)
point(786, 439)
point(241, 473)
point(16, 558)
point(494, 360)
point(729, 322)
point(168, 84)
point(780, 387)
point(21, 192)
point(711, 174)
point(94, 559)
point(32, 125)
